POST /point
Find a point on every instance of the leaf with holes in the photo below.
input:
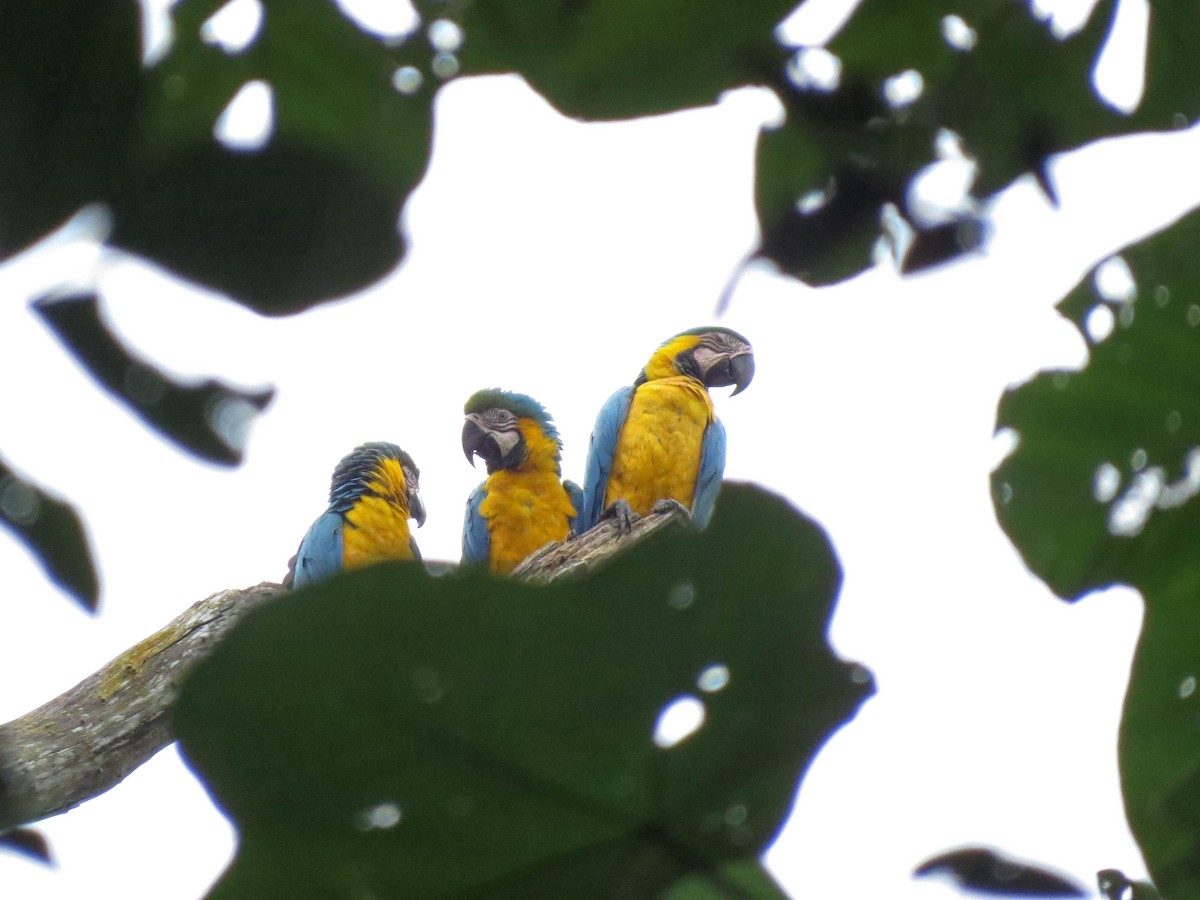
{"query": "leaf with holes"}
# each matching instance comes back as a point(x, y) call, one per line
point(392, 733)
point(308, 208)
point(986, 71)
point(54, 534)
point(1102, 489)
point(208, 419)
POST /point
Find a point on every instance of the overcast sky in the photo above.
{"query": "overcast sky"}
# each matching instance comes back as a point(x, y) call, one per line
point(551, 257)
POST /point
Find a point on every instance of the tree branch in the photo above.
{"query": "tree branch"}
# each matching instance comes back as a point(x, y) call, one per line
point(87, 740)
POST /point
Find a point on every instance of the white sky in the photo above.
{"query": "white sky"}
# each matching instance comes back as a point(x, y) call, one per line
point(551, 257)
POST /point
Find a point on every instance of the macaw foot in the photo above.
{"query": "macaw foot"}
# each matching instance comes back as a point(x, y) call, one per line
point(670, 504)
point(619, 510)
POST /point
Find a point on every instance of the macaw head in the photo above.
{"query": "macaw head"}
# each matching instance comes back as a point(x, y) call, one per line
point(504, 427)
point(715, 356)
point(378, 469)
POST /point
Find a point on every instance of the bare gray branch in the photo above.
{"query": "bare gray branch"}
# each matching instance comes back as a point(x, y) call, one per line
point(87, 740)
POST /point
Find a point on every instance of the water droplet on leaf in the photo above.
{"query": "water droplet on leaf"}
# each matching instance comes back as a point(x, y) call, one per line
point(445, 36)
point(144, 386)
point(445, 65)
point(1106, 482)
point(1187, 687)
point(18, 501)
point(682, 595)
point(407, 79)
point(230, 418)
point(428, 684)
point(713, 679)
point(379, 817)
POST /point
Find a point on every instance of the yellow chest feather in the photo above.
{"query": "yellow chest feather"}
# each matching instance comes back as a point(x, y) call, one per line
point(525, 510)
point(376, 527)
point(658, 452)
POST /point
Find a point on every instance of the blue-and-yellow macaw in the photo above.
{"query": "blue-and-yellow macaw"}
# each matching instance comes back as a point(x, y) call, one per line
point(373, 494)
point(660, 438)
point(523, 505)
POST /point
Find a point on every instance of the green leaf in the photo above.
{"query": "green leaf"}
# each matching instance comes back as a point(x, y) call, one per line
point(1172, 96)
point(1102, 489)
point(315, 212)
point(208, 419)
point(741, 879)
point(1017, 97)
point(394, 733)
point(311, 215)
point(54, 534)
point(616, 59)
point(68, 83)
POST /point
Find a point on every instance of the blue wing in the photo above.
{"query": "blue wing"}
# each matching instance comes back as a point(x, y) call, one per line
point(600, 455)
point(712, 467)
point(476, 542)
point(575, 495)
point(320, 553)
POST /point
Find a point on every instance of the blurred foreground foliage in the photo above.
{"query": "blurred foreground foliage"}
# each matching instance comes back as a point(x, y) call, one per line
point(1100, 489)
point(391, 733)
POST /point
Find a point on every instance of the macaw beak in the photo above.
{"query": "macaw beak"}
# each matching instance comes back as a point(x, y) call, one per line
point(473, 437)
point(498, 448)
point(736, 370)
point(742, 367)
point(416, 509)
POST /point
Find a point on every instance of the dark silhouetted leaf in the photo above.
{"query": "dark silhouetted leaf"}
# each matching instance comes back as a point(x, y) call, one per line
point(28, 842)
point(54, 534)
point(985, 871)
point(315, 212)
point(943, 243)
point(312, 215)
point(208, 419)
point(1114, 885)
point(1102, 489)
point(392, 733)
point(610, 59)
point(1017, 97)
point(833, 241)
point(68, 83)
